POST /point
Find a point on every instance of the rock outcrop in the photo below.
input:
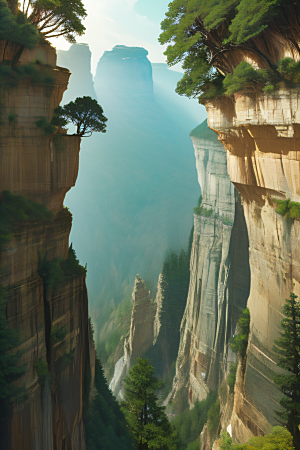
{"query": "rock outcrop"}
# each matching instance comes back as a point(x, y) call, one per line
point(260, 133)
point(141, 333)
point(43, 168)
point(219, 274)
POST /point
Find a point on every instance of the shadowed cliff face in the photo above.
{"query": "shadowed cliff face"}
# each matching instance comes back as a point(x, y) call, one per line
point(128, 180)
point(219, 274)
point(52, 318)
point(261, 137)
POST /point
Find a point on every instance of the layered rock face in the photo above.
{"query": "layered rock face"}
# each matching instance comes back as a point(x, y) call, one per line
point(219, 273)
point(141, 333)
point(50, 414)
point(261, 137)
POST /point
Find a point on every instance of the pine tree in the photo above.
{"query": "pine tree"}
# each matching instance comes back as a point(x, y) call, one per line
point(147, 420)
point(288, 349)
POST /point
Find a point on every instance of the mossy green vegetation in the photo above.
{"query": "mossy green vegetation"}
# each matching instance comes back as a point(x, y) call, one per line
point(202, 35)
point(190, 422)
point(10, 367)
point(47, 127)
point(57, 334)
point(41, 367)
point(278, 439)
point(202, 131)
point(105, 425)
point(213, 419)
point(231, 377)
point(287, 208)
point(16, 210)
point(56, 272)
point(239, 342)
point(200, 210)
point(35, 72)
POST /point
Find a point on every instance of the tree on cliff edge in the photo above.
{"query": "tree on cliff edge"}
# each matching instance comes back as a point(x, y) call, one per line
point(210, 37)
point(85, 113)
point(147, 420)
point(288, 349)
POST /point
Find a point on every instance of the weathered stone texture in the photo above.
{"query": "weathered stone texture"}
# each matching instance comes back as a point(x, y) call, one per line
point(218, 276)
point(141, 334)
point(261, 136)
point(43, 168)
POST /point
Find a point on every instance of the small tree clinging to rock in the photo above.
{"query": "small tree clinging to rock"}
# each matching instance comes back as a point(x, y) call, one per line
point(288, 349)
point(85, 113)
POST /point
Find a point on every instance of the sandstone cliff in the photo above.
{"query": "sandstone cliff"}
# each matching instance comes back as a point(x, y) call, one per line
point(260, 135)
point(52, 319)
point(219, 274)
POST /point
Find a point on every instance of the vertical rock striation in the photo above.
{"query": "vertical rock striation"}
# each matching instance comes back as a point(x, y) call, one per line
point(141, 333)
point(260, 133)
point(219, 273)
point(43, 168)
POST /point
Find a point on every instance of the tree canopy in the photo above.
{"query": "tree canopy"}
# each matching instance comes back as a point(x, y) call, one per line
point(205, 33)
point(16, 28)
point(55, 18)
point(288, 349)
point(105, 425)
point(278, 439)
point(147, 420)
point(85, 113)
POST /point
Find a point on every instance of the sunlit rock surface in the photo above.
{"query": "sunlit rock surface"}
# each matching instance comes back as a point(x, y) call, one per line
point(141, 333)
point(43, 168)
point(219, 274)
point(261, 137)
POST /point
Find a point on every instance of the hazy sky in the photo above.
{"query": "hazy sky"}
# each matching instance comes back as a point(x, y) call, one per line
point(126, 22)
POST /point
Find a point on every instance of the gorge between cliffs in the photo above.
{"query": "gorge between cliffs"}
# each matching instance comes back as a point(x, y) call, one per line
point(171, 241)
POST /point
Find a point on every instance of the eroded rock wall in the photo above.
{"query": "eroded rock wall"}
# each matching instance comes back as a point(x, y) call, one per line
point(219, 273)
point(43, 168)
point(260, 133)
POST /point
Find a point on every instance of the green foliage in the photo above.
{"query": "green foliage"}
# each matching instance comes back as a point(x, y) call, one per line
point(37, 74)
point(16, 210)
point(287, 208)
point(174, 285)
point(45, 125)
point(56, 272)
point(113, 325)
point(16, 28)
point(147, 421)
point(56, 18)
point(203, 33)
point(190, 422)
point(278, 439)
point(289, 69)
point(10, 370)
point(245, 76)
point(239, 342)
point(227, 220)
point(288, 349)
point(232, 377)
point(58, 334)
point(41, 368)
point(85, 113)
point(12, 117)
point(213, 419)
point(201, 211)
point(105, 425)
